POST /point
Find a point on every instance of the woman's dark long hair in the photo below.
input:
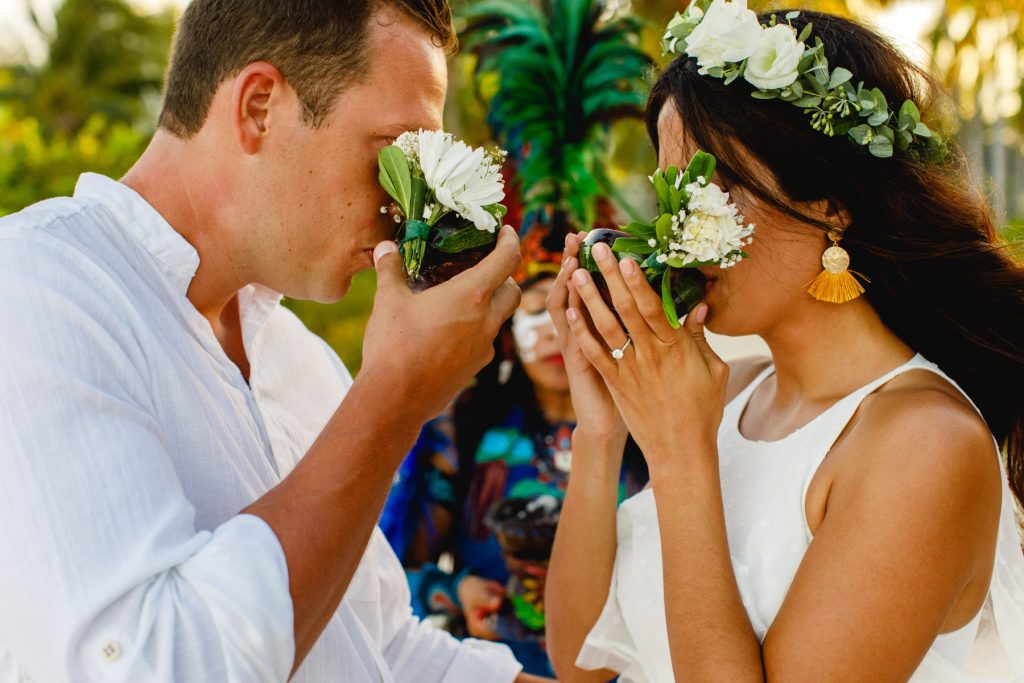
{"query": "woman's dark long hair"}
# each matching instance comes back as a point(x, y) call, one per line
point(923, 234)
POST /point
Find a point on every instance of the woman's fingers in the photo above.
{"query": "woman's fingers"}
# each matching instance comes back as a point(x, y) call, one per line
point(622, 296)
point(694, 326)
point(647, 302)
point(593, 350)
point(558, 298)
point(605, 322)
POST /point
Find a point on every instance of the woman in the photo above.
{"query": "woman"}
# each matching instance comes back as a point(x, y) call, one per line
point(486, 483)
point(837, 512)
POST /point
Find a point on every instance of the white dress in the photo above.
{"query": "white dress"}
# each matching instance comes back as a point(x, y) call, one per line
point(763, 486)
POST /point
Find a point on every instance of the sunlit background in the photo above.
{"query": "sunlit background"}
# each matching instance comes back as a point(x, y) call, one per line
point(80, 89)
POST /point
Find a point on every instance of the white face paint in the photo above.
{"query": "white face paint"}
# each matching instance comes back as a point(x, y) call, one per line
point(525, 331)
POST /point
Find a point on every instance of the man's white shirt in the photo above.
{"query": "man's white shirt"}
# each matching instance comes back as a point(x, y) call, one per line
point(130, 442)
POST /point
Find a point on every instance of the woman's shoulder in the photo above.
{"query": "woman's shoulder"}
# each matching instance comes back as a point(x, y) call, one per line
point(920, 429)
point(742, 372)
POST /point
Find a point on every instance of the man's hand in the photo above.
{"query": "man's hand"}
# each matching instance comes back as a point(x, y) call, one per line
point(480, 598)
point(428, 345)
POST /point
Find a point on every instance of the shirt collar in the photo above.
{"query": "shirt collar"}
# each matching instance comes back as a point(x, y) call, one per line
point(178, 259)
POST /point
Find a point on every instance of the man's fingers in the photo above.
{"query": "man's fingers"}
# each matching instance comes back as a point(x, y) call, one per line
point(497, 266)
point(506, 300)
point(388, 263)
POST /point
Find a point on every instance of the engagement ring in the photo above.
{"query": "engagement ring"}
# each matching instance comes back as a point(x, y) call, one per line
point(618, 353)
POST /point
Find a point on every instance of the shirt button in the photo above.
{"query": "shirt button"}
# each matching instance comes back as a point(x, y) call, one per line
point(111, 651)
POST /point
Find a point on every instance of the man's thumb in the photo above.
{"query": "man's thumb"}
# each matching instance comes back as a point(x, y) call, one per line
point(388, 263)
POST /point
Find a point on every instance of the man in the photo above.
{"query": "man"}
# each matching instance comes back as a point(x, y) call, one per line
point(184, 493)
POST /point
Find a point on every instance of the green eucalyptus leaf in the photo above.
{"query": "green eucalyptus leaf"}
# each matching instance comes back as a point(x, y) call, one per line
point(790, 16)
point(877, 118)
point(880, 102)
point(861, 134)
point(922, 130)
point(881, 147)
point(764, 94)
point(806, 33)
point(909, 109)
point(904, 138)
point(808, 101)
point(839, 76)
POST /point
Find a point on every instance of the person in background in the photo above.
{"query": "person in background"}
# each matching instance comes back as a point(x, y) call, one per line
point(485, 481)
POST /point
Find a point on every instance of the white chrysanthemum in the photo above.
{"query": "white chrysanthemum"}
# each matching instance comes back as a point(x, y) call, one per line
point(709, 229)
point(464, 179)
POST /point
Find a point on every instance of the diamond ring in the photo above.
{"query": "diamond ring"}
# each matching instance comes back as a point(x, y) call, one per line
point(618, 353)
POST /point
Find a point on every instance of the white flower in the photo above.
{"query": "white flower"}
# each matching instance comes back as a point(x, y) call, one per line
point(729, 32)
point(708, 199)
point(464, 179)
point(773, 65)
point(711, 229)
point(701, 235)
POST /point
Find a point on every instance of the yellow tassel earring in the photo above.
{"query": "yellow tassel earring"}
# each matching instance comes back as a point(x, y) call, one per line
point(836, 284)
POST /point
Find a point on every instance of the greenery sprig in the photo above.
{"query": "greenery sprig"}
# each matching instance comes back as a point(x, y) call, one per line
point(771, 61)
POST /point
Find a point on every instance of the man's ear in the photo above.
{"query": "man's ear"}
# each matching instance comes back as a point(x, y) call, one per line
point(258, 89)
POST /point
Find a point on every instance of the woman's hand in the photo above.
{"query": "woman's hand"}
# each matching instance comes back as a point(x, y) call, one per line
point(596, 415)
point(480, 598)
point(669, 385)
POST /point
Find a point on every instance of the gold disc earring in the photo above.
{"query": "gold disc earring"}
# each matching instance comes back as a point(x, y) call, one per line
point(836, 284)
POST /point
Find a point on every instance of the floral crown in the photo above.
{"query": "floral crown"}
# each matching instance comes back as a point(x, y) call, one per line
point(728, 41)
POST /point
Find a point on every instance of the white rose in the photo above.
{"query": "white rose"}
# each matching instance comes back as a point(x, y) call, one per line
point(729, 32)
point(773, 65)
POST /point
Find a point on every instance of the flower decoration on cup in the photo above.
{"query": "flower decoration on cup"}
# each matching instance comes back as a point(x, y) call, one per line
point(727, 41)
point(448, 199)
point(696, 226)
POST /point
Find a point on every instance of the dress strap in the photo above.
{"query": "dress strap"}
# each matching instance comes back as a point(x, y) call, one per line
point(827, 427)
